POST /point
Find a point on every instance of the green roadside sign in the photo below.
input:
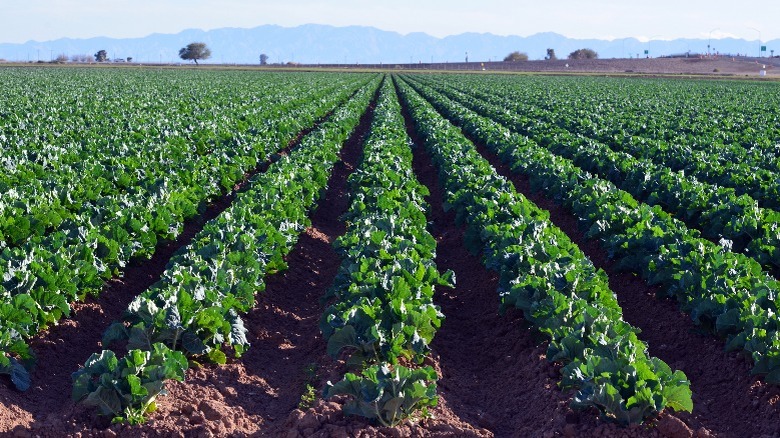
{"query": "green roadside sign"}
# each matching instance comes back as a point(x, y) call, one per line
point(763, 48)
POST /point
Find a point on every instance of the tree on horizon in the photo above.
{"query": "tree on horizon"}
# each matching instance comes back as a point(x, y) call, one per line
point(516, 57)
point(583, 54)
point(194, 52)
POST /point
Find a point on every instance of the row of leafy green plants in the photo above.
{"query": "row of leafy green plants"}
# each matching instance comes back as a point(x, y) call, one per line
point(718, 212)
point(171, 171)
point(193, 313)
point(44, 275)
point(71, 156)
point(737, 168)
point(734, 120)
point(548, 277)
point(382, 315)
point(725, 292)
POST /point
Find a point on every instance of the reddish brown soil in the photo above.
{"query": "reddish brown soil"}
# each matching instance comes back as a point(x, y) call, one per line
point(728, 402)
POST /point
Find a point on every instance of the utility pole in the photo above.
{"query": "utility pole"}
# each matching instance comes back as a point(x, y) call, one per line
point(759, 40)
point(710, 41)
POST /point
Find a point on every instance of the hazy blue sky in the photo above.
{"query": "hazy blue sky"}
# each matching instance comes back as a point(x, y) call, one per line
point(23, 20)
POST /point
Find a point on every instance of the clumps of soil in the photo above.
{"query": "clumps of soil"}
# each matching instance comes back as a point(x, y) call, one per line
point(326, 419)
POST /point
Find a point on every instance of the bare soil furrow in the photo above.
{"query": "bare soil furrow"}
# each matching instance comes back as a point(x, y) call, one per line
point(494, 372)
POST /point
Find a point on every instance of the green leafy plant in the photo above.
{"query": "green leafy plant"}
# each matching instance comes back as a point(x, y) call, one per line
point(20, 376)
point(126, 389)
point(386, 394)
point(308, 397)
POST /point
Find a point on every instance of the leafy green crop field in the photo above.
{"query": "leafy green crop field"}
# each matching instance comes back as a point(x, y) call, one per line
point(561, 187)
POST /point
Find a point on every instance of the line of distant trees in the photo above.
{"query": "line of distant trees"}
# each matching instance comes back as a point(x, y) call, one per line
point(102, 56)
point(80, 58)
point(198, 51)
point(195, 51)
point(518, 56)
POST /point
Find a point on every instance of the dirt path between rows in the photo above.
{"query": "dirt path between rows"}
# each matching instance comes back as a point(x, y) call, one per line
point(251, 395)
point(488, 364)
point(493, 368)
point(728, 402)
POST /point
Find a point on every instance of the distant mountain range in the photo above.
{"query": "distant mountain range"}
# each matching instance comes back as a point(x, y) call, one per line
point(320, 44)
